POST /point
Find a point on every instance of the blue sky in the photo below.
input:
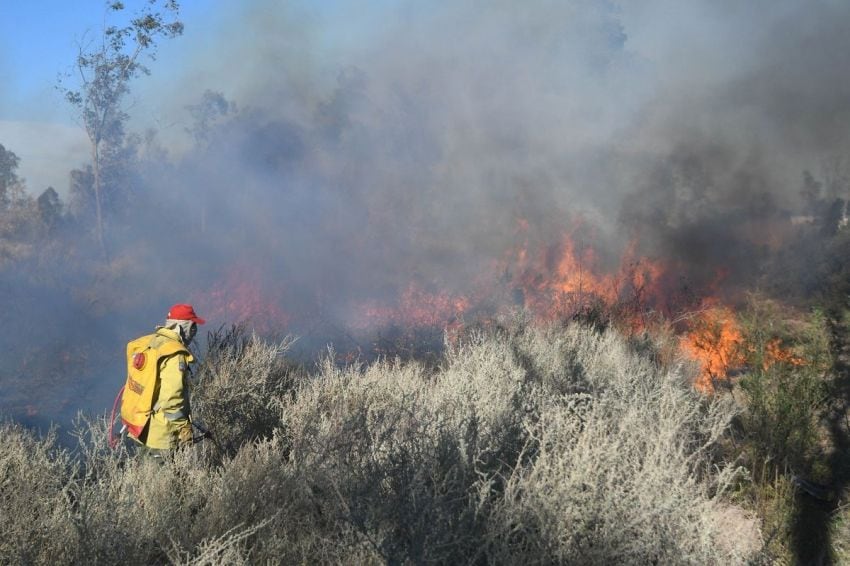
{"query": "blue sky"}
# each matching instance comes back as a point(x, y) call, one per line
point(36, 40)
point(39, 39)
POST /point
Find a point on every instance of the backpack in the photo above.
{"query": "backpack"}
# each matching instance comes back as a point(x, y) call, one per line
point(143, 357)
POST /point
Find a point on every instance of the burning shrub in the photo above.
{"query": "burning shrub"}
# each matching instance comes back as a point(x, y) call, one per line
point(715, 341)
point(781, 434)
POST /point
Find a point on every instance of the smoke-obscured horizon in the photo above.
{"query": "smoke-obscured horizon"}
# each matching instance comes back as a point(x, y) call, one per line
point(345, 158)
point(685, 127)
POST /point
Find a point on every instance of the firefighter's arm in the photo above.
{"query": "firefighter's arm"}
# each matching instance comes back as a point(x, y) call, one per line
point(172, 396)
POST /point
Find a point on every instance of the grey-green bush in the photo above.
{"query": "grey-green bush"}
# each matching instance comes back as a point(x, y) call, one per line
point(534, 445)
point(34, 499)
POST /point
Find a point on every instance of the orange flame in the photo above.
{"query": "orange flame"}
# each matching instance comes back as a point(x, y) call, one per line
point(715, 341)
point(559, 281)
point(774, 353)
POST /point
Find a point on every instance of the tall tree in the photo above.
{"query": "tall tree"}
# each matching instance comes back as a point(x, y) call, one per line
point(49, 209)
point(8, 176)
point(103, 70)
point(18, 217)
point(212, 107)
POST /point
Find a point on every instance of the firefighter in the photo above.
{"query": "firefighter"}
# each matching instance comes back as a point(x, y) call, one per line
point(166, 352)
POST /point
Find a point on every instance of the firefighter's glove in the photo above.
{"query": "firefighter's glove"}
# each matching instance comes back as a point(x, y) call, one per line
point(184, 435)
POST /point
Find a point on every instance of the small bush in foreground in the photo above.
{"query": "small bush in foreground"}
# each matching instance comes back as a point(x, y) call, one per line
point(34, 504)
point(841, 532)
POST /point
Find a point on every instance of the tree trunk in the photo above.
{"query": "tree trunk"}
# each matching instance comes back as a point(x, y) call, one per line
point(101, 239)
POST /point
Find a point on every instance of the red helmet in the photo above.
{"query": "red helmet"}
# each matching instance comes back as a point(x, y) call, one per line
point(184, 312)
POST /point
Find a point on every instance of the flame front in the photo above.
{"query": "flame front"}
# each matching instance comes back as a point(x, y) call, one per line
point(556, 282)
point(552, 282)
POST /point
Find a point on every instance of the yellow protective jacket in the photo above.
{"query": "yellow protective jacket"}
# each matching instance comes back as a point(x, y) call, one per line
point(171, 396)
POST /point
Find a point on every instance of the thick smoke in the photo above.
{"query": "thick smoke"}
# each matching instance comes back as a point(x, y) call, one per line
point(343, 154)
point(757, 98)
point(414, 163)
point(407, 145)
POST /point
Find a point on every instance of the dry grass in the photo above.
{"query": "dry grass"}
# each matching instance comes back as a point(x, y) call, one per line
point(841, 532)
point(531, 445)
point(35, 504)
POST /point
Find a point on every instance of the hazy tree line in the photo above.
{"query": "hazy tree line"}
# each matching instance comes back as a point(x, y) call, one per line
point(24, 221)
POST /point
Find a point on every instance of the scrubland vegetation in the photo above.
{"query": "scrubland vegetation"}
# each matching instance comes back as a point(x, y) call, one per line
point(526, 444)
point(578, 442)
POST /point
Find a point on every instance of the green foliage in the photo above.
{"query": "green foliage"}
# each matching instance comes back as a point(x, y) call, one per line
point(782, 415)
point(104, 69)
point(25, 223)
point(783, 437)
point(787, 386)
point(776, 505)
point(49, 208)
point(212, 107)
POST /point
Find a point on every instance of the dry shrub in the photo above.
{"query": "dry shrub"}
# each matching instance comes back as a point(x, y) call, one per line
point(229, 548)
point(34, 511)
point(621, 471)
point(264, 489)
point(534, 445)
point(481, 385)
point(380, 467)
point(527, 445)
point(239, 387)
point(132, 510)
